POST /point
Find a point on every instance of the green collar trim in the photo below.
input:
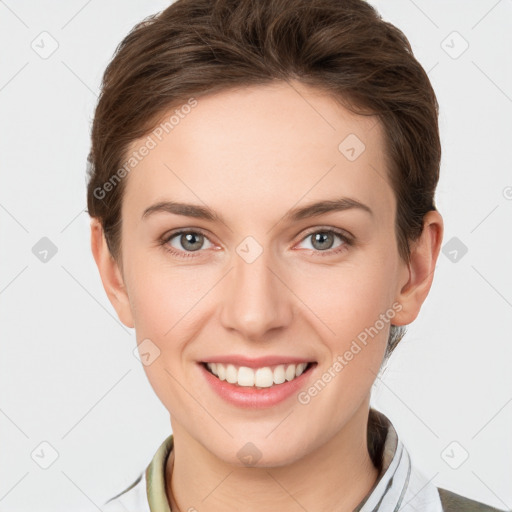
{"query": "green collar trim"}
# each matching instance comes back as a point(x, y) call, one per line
point(155, 478)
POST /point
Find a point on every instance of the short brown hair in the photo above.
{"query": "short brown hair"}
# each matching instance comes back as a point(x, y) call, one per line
point(343, 47)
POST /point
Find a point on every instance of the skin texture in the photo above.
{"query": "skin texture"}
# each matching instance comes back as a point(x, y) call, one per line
point(251, 155)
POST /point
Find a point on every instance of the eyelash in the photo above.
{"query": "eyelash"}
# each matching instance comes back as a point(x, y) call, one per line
point(347, 242)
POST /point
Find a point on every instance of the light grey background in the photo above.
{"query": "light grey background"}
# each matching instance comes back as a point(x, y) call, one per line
point(68, 376)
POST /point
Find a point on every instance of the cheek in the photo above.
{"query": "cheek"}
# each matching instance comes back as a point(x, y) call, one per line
point(163, 306)
point(162, 296)
point(352, 307)
point(349, 298)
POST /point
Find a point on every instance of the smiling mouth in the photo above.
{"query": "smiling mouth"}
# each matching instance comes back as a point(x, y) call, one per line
point(264, 377)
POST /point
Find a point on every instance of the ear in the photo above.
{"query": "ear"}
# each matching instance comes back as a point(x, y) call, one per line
point(111, 275)
point(418, 275)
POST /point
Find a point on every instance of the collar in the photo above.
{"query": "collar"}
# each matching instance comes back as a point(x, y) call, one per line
point(399, 485)
point(155, 478)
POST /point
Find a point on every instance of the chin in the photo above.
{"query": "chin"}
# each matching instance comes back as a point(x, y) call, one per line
point(263, 454)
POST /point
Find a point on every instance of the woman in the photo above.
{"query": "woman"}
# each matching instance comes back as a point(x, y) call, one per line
point(233, 139)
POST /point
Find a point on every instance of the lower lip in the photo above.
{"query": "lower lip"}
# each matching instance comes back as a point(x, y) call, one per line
point(252, 397)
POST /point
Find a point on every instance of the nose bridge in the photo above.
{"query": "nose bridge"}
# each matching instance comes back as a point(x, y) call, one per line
point(256, 300)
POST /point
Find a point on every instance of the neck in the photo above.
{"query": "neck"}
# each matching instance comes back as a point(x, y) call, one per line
point(336, 476)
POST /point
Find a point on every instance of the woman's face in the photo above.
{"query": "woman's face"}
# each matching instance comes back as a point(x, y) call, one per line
point(262, 281)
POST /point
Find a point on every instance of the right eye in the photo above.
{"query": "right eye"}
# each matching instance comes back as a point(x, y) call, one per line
point(190, 241)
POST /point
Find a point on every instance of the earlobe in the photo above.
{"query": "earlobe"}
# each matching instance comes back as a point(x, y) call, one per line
point(419, 273)
point(110, 274)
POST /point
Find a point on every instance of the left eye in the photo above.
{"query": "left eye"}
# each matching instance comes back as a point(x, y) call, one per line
point(322, 240)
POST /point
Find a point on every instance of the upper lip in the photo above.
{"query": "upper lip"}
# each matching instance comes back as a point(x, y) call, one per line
point(257, 362)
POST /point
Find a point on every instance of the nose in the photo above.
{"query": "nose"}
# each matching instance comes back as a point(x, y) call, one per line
point(255, 299)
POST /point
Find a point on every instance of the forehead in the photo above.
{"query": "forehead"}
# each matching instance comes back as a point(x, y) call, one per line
point(259, 147)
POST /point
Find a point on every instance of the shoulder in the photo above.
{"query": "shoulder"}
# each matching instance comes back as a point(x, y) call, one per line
point(456, 503)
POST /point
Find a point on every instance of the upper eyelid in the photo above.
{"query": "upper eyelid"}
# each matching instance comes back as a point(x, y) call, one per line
point(337, 231)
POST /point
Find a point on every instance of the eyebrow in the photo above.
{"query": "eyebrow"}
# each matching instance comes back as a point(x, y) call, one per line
point(295, 214)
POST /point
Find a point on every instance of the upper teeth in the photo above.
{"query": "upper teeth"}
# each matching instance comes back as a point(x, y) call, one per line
point(259, 377)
